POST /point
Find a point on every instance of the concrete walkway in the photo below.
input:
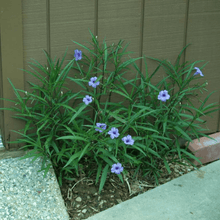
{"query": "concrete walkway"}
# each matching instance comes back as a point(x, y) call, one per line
point(194, 196)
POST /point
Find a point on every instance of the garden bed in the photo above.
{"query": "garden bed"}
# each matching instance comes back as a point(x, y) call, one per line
point(81, 196)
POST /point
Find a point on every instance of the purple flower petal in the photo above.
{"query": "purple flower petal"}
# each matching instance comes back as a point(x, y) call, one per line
point(100, 125)
point(117, 168)
point(87, 99)
point(78, 54)
point(92, 82)
point(113, 133)
point(198, 71)
point(163, 95)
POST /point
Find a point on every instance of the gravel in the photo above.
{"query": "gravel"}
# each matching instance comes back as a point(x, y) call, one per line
point(25, 194)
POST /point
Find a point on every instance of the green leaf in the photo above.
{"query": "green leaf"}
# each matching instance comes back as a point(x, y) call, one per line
point(134, 146)
point(179, 56)
point(191, 156)
point(120, 93)
point(162, 143)
point(105, 158)
point(73, 138)
point(146, 128)
point(78, 81)
point(197, 110)
point(131, 158)
point(46, 170)
point(203, 103)
point(166, 165)
point(182, 132)
point(85, 48)
point(31, 154)
point(128, 62)
point(77, 113)
point(103, 178)
point(153, 152)
point(84, 151)
point(72, 158)
point(98, 173)
point(105, 56)
point(116, 117)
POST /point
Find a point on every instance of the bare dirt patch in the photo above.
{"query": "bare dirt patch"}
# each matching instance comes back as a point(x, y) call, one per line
point(81, 196)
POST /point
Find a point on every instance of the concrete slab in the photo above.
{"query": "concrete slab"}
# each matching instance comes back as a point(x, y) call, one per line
point(193, 196)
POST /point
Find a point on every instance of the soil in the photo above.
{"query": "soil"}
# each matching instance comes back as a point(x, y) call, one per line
point(82, 199)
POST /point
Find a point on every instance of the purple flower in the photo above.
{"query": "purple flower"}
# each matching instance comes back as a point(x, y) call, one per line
point(128, 140)
point(92, 82)
point(87, 99)
point(116, 168)
point(198, 71)
point(113, 133)
point(163, 95)
point(78, 54)
point(100, 125)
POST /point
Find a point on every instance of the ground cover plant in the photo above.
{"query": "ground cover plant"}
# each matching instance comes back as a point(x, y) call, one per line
point(109, 136)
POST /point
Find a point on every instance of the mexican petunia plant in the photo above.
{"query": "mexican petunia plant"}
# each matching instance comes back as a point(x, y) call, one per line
point(139, 128)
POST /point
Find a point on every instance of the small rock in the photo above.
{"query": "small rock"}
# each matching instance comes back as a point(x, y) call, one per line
point(78, 199)
point(119, 200)
point(84, 210)
point(101, 203)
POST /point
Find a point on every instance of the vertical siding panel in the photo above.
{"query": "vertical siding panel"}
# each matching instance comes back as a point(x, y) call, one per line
point(12, 62)
point(204, 34)
point(121, 20)
point(141, 32)
point(96, 18)
point(163, 32)
point(34, 40)
point(163, 36)
point(2, 131)
point(48, 27)
point(69, 21)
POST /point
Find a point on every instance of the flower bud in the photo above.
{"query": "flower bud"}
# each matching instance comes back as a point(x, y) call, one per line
point(25, 92)
point(61, 93)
